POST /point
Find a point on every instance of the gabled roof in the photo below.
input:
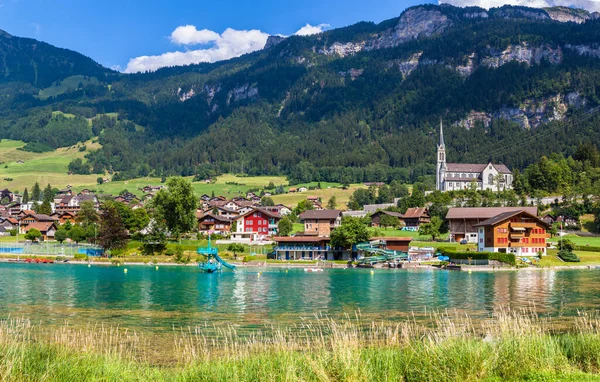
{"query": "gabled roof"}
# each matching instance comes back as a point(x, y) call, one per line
point(415, 212)
point(320, 214)
point(484, 212)
point(507, 215)
point(216, 217)
point(40, 226)
point(390, 213)
point(271, 214)
point(475, 167)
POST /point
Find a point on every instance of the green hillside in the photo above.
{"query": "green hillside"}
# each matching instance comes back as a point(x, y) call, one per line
point(360, 103)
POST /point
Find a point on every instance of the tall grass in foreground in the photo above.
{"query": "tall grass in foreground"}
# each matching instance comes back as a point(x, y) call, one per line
point(507, 346)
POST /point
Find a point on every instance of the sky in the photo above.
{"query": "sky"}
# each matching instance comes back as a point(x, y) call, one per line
point(133, 36)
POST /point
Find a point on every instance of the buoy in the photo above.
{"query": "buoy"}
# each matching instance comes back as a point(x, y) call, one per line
point(372, 272)
point(125, 270)
point(89, 265)
point(286, 271)
point(156, 267)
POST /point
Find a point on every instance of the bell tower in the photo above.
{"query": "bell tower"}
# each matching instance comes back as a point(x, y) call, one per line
point(441, 161)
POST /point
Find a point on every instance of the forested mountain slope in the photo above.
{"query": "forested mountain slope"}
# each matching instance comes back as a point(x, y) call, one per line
point(360, 103)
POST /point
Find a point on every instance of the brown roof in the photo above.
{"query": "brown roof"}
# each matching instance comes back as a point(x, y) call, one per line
point(272, 214)
point(507, 215)
point(416, 212)
point(320, 214)
point(216, 217)
point(40, 226)
point(300, 239)
point(390, 213)
point(485, 212)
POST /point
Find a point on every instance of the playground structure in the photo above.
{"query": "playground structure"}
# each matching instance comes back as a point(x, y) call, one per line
point(374, 253)
point(213, 262)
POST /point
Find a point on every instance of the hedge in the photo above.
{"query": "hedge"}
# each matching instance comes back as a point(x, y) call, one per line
point(507, 258)
point(568, 257)
point(587, 248)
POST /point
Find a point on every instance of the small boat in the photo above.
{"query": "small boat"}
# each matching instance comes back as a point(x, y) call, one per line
point(313, 270)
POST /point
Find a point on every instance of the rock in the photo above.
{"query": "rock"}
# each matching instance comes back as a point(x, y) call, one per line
point(273, 41)
point(187, 95)
point(406, 67)
point(585, 50)
point(564, 14)
point(508, 12)
point(242, 92)
point(211, 91)
point(343, 50)
point(467, 69)
point(575, 100)
point(353, 73)
point(474, 117)
point(414, 23)
point(522, 53)
point(477, 15)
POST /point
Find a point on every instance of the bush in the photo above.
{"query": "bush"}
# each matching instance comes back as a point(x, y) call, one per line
point(80, 256)
point(507, 258)
point(568, 256)
point(587, 248)
point(13, 232)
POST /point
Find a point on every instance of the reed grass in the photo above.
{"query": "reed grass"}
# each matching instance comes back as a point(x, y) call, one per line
point(507, 345)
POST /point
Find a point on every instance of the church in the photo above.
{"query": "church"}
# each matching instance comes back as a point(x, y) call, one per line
point(459, 176)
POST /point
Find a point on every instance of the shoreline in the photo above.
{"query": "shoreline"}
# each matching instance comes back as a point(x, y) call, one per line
point(317, 265)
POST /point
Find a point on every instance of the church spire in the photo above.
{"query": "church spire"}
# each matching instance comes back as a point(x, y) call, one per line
point(441, 134)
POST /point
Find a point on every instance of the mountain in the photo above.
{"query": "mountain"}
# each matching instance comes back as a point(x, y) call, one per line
point(360, 103)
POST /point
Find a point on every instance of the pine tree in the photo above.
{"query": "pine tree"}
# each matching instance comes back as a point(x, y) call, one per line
point(45, 208)
point(36, 192)
point(25, 198)
point(48, 193)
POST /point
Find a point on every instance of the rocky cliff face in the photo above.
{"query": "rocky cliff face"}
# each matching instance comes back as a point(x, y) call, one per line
point(585, 50)
point(531, 113)
point(273, 41)
point(522, 53)
point(240, 93)
point(343, 50)
point(564, 15)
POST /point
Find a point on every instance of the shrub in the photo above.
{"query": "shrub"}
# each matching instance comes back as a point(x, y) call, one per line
point(80, 256)
point(507, 258)
point(587, 248)
point(568, 256)
point(13, 232)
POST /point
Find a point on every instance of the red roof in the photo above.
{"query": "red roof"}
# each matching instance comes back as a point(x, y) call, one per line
point(416, 212)
point(40, 226)
point(485, 212)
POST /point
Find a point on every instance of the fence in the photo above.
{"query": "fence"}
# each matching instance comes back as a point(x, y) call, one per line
point(50, 249)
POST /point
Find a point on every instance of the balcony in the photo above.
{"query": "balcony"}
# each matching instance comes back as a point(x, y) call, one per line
point(523, 225)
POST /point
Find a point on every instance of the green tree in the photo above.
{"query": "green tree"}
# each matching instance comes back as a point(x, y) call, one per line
point(266, 201)
point(100, 180)
point(36, 192)
point(45, 208)
point(112, 233)
point(61, 235)
point(48, 193)
point(388, 221)
point(432, 228)
point(87, 214)
point(35, 207)
point(351, 231)
point(33, 235)
point(138, 220)
point(25, 198)
point(303, 205)
point(566, 245)
point(77, 234)
point(177, 205)
point(156, 239)
point(285, 226)
point(235, 248)
point(332, 203)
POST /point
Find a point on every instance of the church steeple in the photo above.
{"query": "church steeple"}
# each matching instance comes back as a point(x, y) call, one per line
point(441, 161)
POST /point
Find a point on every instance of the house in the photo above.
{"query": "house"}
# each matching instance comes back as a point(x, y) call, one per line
point(14, 209)
point(47, 229)
point(223, 212)
point(374, 184)
point(64, 217)
point(292, 190)
point(280, 209)
point(150, 189)
point(316, 202)
point(462, 220)
point(414, 217)
point(4, 211)
point(320, 222)
point(517, 232)
point(205, 198)
point(250, 195)
point(65, 191)
point(567, 221)
point(257, 224)
point(376, 217)
point(355, 214)
point(548, 219)
point(401, 244)
point(371, 208)
point(7, 224)
point(30, 217)
point(85, 191)
point(303, 248)
point(73, 203)
point(460, 176)
point(215, 223)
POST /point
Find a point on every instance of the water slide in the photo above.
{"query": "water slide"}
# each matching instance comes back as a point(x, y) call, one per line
point(378, 255)
point(211, 252)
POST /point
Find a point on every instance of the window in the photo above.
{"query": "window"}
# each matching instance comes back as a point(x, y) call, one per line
point(491, 178)
point(249, 222)
point(481, 241)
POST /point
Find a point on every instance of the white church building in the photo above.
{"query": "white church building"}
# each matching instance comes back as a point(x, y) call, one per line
point(459, 176)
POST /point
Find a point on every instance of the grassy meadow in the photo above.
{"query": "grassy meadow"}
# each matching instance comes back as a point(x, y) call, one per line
point(505, 346)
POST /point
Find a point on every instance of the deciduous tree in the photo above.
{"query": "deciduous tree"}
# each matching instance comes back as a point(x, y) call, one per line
point(177, 205)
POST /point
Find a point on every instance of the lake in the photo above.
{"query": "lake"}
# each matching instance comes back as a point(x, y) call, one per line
point(154, 301)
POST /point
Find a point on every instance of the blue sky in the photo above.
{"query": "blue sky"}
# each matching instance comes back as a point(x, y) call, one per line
point(112, 32)
point(119, 33)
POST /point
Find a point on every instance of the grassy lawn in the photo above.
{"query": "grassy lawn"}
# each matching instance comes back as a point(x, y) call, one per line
point(579, 240)
point(69, 83)
point(327, 191)
point(50, 167)
point(587, 258)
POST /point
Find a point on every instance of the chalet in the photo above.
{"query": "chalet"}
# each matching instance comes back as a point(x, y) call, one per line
point(223, 212)
point(320, 222)
point(401, 244)
point(548, 219)
point(147, 197)
point(462, 220)
point(73, 203)
point(64, 191)
point(414, 217)
point(217, 202)
point(257, 224)
point(20, 161)
point(239, 199)
point(64, 217)
point(250, 195)
point(4, 211)
point(47, 229)
point(268, 194)
point(85, 191)
point(371, 208)
point(30, 217)
point(376, 217)
point(149, 189)
point(7, 224)
point(14, 209)
point(292, 190)
point(517, 232)
point(316, 202)
point(215, 223)
point(567, 221)
point(280, 209)
point(205, 198)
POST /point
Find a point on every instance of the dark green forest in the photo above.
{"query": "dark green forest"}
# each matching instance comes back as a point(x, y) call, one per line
point(293, 110)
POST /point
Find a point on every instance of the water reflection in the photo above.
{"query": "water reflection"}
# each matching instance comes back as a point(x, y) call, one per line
point(181, 296)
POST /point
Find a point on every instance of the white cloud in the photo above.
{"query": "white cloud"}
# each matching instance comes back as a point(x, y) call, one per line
point(308, 29)
point(231, 43)
point(590, 5)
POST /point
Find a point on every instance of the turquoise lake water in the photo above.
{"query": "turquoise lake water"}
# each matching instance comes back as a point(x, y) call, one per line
point(158, 300)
